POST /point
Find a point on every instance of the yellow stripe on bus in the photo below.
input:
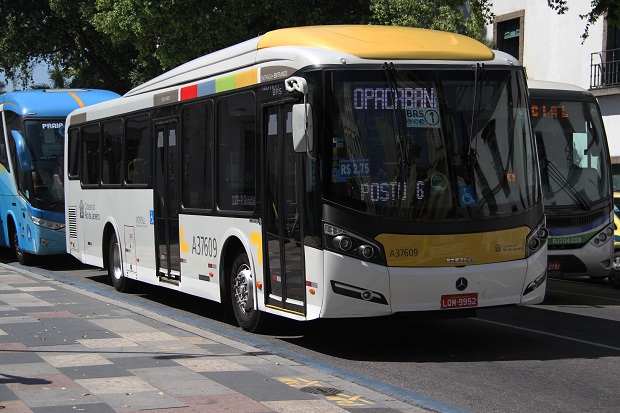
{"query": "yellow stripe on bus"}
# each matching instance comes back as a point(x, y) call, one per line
point(452, 250)
point(77, 99)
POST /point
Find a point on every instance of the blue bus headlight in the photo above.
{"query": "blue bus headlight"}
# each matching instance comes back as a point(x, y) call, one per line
point(56, 226)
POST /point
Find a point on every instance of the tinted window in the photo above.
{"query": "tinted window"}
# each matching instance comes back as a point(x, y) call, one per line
point(112, 155)
point(74, 156)
point(138, 150)
point(91, 155)
point(197, 155)
point(236, 153)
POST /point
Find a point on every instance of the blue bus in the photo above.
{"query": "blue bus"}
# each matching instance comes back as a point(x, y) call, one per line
point(31, 168)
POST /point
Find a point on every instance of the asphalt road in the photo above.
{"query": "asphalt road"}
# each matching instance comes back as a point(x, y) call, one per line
point(560, 356)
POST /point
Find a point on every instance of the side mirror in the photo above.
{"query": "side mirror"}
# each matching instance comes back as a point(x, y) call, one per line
point(23, 153)
point(302, 127)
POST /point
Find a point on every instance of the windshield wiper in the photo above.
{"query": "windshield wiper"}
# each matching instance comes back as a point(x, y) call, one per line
point(557, 175)
point(400, 137)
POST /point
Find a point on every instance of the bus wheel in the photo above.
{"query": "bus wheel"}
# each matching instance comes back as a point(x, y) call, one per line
point(115, 265)
point(614, 277)
point(22, 256)
point(242, 294)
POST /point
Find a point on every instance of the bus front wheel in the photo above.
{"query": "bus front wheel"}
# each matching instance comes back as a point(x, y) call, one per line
point(115, 266)
point(242, 294)
point(614, 277)
point(22, 256)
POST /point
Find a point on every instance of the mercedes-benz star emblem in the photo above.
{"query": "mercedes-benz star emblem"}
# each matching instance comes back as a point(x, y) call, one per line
point(461, 283)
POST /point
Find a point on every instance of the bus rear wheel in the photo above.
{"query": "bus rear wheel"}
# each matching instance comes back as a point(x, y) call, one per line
point(242, 294)
point(115, 266)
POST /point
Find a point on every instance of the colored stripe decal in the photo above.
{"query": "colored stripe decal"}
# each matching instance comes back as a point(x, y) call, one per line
point(77, 99)
point(189, 92)
point(222, 84)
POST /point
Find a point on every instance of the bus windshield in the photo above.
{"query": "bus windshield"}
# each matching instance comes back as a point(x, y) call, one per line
point(572, 152)
point(430, 144)
point(45, 143)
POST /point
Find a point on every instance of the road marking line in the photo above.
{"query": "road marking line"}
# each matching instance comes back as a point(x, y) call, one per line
point(531, 330)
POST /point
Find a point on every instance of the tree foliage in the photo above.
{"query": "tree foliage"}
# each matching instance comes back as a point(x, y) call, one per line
point(117, 44)
point(459, 16)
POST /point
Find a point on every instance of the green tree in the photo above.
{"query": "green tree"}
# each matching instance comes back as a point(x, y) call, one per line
point(57, 76)
point(37, 31)
point(458, 16)
point(168, 33)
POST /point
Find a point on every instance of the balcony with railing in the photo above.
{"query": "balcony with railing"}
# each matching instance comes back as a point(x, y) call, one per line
point(605, 69)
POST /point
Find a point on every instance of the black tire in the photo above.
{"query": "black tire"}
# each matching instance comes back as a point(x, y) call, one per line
point(242, 295)
point(115, 266)
point(614, 277)
point(22, 256)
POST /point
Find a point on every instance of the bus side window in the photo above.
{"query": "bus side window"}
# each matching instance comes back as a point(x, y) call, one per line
point(73, 155)
point(137, 150)
point(91, 154)
point(4, 158)
point(197, 156)
point(236, 188)
point(112, 152)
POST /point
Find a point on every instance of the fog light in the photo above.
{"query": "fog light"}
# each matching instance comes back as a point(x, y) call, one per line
point(343, 242)
point(534, 243)
point(44, 242)
point(366, 251)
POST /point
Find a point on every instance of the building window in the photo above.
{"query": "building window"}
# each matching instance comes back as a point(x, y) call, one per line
point(508, 33)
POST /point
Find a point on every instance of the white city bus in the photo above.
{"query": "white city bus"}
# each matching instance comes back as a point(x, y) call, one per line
point(327, 171)
point(576, 179)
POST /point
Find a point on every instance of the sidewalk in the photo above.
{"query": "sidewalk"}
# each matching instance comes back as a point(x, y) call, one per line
point(64, 349)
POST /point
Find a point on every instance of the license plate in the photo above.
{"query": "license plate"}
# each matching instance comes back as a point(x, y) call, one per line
point(459, 300)
point(553, 266)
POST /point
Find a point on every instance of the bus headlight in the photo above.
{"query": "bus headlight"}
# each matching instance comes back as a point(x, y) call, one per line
point(352, 245)
point(603, 236)
point(537, 238)
point(55, 226)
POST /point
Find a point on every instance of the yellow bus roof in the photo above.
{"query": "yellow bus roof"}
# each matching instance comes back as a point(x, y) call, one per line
point(381, 42)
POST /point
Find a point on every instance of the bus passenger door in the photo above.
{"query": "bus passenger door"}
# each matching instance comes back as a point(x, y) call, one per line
point(283, 218)
point(167, 201)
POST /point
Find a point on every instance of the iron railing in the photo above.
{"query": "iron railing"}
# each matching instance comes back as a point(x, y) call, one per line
point(605, 69)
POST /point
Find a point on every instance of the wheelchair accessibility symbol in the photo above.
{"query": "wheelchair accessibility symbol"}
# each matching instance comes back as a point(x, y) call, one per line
point(467, 195)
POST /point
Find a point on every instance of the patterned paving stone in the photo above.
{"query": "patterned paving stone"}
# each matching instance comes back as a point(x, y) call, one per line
point(27, 370)
point(56, 397)
point(116, 385)
point(108, 343)
point(94, 372)
point(303, 406)
point(148, 361)
point(88, 408)
point(224, 403)
point(51, 314)
point(180, 381)
point(210, 364)
point(74, 359)
point(131, 401)
point(15, 406)
point(43, 382)
point(258, 387)
point(6, 393)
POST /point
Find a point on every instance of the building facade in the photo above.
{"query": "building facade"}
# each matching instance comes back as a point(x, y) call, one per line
point(550, 47)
